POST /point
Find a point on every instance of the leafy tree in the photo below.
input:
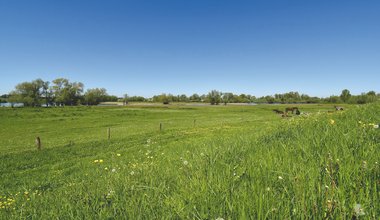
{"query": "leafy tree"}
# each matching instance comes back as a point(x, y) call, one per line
point(164, 98)
point(195, 98)
point(214, 97)
point(59, 89)
point(362, 98)
point(183, 98)
point(67, 93)
point(95, 96)
point(345, 95)
point(371, 96)
point(269, 99)
point(227, 97)
point(333, 99)
point(47, 92)
point(28, 93)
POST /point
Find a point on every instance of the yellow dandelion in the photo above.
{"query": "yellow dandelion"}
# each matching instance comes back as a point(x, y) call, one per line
point(332, 121)
point(100, 161)
point(96, 161)
point(106, 168)
point(118, 155)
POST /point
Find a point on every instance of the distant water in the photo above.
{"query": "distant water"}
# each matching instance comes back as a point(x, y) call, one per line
point(7, 104)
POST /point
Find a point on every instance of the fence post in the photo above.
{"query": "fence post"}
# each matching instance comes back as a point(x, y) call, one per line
point(38, 143)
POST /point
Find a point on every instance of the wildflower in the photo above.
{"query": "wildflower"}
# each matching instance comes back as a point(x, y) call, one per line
point(185, 163)
point(359, 210)
point(376, 126)
point(109, 194)
point(106, 168)
point(118, 155)
point(332, 121)
point(280, 178)
point(113, 170)
point(268, 189)
point(132, 173)
point(326, 186)
point(100, 161)
point(96, 161)
point(360, 122)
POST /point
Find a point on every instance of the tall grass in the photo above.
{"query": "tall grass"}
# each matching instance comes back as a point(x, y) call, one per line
point(311, 167)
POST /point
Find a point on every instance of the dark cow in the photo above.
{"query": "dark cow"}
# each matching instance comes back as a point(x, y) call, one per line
point(338, 108)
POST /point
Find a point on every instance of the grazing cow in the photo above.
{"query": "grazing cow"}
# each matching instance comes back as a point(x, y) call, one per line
point(338, 108)
point(291, 109)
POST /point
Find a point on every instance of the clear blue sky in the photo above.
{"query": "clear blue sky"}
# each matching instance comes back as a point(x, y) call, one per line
point(139, 47)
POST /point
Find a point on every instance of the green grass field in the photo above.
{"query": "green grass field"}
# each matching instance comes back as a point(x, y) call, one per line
point(230, 162)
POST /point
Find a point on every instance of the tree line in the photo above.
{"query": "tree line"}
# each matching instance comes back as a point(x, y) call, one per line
point(61, 92)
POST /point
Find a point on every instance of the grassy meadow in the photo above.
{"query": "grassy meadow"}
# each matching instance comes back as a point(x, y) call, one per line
point(207, 162)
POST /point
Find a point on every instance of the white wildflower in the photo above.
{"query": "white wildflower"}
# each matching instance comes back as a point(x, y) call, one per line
point(359, 210)
point(185, 163)
point(280, 178)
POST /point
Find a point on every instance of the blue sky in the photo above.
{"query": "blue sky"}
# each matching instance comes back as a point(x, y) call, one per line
point(258, 47)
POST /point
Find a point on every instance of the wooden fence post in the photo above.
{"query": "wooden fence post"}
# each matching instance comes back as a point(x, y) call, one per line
point(38, 143)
